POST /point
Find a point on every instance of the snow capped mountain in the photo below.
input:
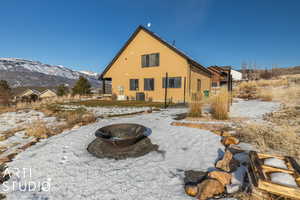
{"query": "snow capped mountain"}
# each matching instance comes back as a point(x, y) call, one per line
point(89, 73)
point(20, 72)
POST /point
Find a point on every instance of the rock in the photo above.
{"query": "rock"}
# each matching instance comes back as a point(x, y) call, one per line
point(233, 188)
point(194, 177)
point(237, 180)
point(225, 134)
point(222, 177)
point(191, 190)
point(226, 141)
point(234, 149)
point(227, 164)
point(209, 188)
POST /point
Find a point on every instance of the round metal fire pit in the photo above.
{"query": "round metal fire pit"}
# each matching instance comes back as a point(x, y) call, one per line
point(120, 141)
point(121, 134)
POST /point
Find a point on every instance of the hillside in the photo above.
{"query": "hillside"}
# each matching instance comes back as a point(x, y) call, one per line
point(21, 73)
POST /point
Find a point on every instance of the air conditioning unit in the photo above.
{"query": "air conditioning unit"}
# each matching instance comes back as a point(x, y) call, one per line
point(121, 98)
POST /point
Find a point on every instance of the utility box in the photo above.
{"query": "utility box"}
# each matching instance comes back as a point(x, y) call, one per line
point(140, 96)
point(206, 93)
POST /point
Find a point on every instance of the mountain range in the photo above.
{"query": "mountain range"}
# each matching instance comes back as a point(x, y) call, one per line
point(25, 73)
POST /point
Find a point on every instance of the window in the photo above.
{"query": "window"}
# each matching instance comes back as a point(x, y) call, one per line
point(150, 60)
point(198, 85)
point(134, 84)
point(214, 84)
point(173, 82)
point(148, 84)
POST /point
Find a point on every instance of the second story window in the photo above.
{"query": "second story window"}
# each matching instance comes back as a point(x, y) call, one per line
point(173, 82)
point(150, 60)
point(133, 84)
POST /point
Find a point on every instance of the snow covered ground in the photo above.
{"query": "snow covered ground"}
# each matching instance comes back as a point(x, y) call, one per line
point(254, 109)
point(75, 174)
point(11, 120)
point(63, 163)
point(107, 111)
point(15, 120)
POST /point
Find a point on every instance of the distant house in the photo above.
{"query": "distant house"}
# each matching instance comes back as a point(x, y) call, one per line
point(148, 67)
point(29, 95)
point(219, 76)
point(236, 75)
point(32, 94)
point(47, 94)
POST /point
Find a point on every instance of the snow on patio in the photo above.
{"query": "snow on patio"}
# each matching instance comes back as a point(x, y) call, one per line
point(75, 174)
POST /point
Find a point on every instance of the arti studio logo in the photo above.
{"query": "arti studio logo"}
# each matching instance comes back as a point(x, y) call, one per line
point(22, 181)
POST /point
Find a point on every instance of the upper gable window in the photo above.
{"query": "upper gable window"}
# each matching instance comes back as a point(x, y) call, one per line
point(150, 60)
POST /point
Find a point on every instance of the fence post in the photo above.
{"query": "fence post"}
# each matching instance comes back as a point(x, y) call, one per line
point(166, 89)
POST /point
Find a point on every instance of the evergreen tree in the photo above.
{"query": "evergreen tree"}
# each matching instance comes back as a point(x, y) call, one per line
point(82, 87)
point(62, 90)
point(4, 87)
point(5, 92)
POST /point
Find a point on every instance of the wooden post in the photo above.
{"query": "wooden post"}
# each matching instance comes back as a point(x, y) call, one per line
point(103, 86)
point(166, 89)
point(184, 90)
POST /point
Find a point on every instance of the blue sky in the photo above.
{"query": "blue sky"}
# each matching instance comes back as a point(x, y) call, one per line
point(86, 34)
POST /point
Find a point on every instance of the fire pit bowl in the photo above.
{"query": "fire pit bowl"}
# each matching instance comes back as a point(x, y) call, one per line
point(121, 134)
point(121, 141)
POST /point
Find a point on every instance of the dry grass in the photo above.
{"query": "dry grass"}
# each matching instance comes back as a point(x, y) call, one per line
point(247, 90)
point(195, 106)
point(282, 139)
point(290, 96)
point(38, 129)
point(220, 105)
point(265, 95)
point(272, 83)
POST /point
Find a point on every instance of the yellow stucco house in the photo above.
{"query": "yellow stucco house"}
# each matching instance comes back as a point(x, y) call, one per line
point(140, 68)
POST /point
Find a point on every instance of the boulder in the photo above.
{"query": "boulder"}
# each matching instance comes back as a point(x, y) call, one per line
point(234, 149)
point(194, 177)
point(209, 188)
point(227, 164)
point(191, 190)
point(228, 140)
point(222, 177)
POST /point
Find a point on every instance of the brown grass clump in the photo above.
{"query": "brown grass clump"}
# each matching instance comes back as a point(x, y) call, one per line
point(265, 95)
point(220, 105)
point(282, 139)
point(195, 106)
point(247, 90)
point(290, 96)
point(38, 129)
point(273, 83)
point(77, 117)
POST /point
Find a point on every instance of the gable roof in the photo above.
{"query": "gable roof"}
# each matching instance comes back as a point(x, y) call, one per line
point(218, 70)
point(189, 59)
point(47, 91)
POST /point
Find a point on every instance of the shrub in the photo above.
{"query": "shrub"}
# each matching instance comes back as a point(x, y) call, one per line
point(220, 104)
point(247, 90)
point(38, 129)
point(195, 106)
point(265, 95)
